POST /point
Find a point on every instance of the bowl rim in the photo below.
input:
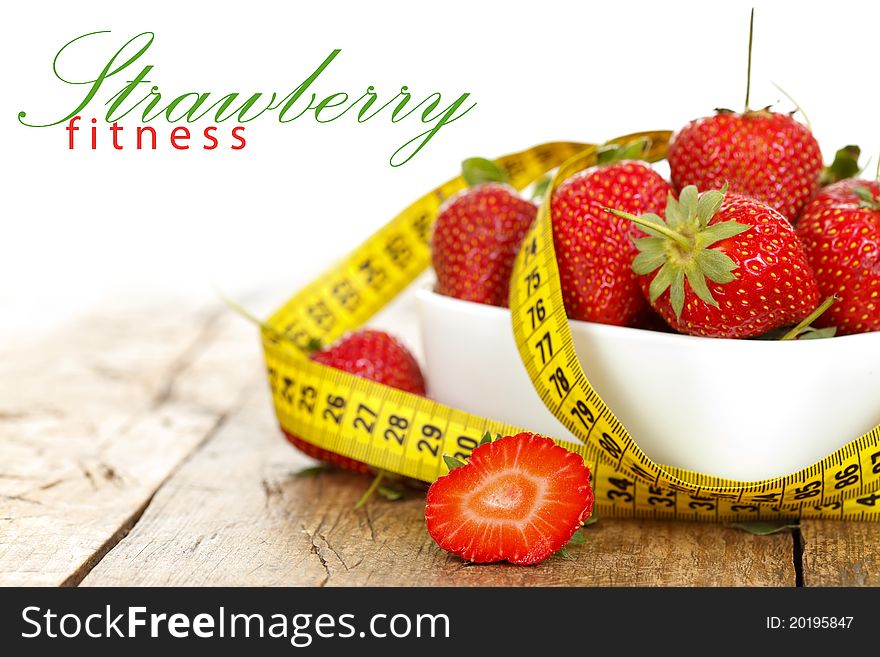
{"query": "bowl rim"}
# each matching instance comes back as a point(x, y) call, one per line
point(427, 293)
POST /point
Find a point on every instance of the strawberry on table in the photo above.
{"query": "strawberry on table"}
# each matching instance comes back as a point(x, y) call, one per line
point(766, 155)
point(518, 499)
point(840, 231)
point(594, 250)
point(373, 355)
point(477, 235)
point(723, 265)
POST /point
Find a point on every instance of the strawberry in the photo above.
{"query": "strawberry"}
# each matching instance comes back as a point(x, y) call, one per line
point(766, 155)
point(373, 355)
point(477, 235)
point(733, 266)
point(594, 250)
point(518, 499)
point(762, 154)
point(840, 231)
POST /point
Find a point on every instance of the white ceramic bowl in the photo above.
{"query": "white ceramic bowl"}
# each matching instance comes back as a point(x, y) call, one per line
point(743, 409)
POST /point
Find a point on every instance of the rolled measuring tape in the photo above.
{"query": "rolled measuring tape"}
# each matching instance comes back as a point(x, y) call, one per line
point(408, 435)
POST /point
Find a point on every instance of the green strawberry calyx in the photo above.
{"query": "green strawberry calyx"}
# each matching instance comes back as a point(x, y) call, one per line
point(453, 462)
point(479, 170)
point(678, 248)
point(634, 150)
point(866, 198)
point(845, 165)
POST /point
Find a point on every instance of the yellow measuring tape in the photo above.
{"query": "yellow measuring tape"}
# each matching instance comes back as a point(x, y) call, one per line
point(408, 435)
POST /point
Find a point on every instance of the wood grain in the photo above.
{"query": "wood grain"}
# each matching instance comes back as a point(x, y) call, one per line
point(840, 553)
point(140, 447)
point(236, 513)
point(95, 417)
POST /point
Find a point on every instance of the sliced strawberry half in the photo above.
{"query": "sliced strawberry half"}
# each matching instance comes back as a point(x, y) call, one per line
point(518, 499)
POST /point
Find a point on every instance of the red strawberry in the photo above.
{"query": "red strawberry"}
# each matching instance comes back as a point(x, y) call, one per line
point(594, 250)
point(477, 235)
point(840, 231)
point(733, 266)
point(762, 154)
point(519, 499)
point(373, 355)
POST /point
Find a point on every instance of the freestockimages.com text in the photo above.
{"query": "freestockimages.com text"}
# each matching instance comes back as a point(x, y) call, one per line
point(125, 86)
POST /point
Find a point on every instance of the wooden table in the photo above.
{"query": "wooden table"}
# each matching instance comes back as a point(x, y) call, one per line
point(139, 447)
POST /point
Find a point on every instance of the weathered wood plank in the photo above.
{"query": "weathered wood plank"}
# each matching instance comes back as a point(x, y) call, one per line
point(840, 553)
point(236, 514)
point(95, 416)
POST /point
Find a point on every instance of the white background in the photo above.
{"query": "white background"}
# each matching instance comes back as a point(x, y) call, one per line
point(83, 227)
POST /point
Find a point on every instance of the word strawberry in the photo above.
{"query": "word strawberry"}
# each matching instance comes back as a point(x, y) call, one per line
point(477, 235)
point(594, 250)
point(840, 231)
point(373, 355)
point(766, 155)
point(518, 499)
point(727, 266)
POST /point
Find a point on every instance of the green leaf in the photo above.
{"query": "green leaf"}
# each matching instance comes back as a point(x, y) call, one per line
point(313, 345)
point(479, 170)
point(563, 553)
point(845, 165)
point(688, 201)
point(721, 231)
point(541, 187)
point(635, 150)
point(389, 493)
point(577, 538)
point(811, 333)
point(716, 265)
point(648, 260)
point(591, 521)
point(676, 293)
point(650, 244)
point(761, 527)
point(866, 198)
point(452, 463)
point(675, 215)
point(312, 471)
point(661, 281)
point(708, 205)
point(486, 439)
point(863, 193)
point(697, 281)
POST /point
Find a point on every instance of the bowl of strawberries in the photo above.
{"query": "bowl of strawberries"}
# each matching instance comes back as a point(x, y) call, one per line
point(730, 316)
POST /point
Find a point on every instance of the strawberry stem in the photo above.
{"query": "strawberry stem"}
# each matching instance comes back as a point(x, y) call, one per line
point(372, 489)
point(240, 310)
point(663, 230)
point(797, 105)
point(749, 69)
point(809, 319)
